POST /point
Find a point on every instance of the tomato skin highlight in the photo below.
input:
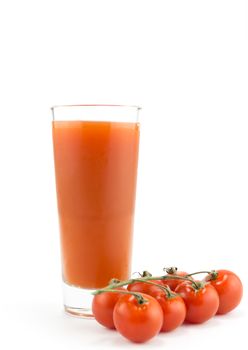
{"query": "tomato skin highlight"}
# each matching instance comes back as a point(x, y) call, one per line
point(201, 304)
point(173, 283)
point(138, 322)
point(103, 306)
point(230, 290)
point(174, 311)
point(147, 288)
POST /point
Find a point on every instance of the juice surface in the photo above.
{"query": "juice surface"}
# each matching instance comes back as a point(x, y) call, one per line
point(96, 168)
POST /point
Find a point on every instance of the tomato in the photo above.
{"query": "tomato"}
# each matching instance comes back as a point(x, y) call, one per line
point(173, 283)
point(103, 306)
point(146, 288)
point(229, 288)
point(174, 310)
point(138, 322)
point(202, 303)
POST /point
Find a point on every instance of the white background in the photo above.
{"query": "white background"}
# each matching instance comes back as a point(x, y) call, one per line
point(185, 62)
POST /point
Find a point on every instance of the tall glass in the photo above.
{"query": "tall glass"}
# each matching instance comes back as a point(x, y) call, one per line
point(96, 157)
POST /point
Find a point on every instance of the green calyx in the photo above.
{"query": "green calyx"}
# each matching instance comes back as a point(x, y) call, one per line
point(170, 270)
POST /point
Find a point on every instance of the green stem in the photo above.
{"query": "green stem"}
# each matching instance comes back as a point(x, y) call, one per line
point(196, 273)
point(183, 278)
point(212, 275)
point(165, 289)
point(144, 279)
point(138, 296)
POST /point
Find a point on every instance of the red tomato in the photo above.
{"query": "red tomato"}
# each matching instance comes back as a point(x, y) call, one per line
point(138, 322)
point(201, 304)
point(229, 288)
point(173, 283)
point(103, 306)
point(174, 310)
point(146, 288)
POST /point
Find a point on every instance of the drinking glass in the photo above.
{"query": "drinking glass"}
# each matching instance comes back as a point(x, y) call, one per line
point(95, 157)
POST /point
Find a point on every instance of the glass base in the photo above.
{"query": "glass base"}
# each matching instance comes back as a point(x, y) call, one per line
point(77, 301)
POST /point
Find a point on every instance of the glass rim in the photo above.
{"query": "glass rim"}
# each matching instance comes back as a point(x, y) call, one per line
point(96, 105)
